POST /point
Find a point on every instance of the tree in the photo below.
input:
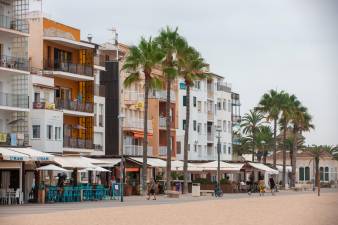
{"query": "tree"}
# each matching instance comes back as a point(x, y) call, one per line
point(301, 121)
point(316, 151)
point(191, 67)
point(168, 41)
point(139, 64)
point(270, 104)
point(264, 140)
point(251, 125)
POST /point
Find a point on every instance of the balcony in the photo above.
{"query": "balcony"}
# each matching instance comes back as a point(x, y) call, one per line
point(19, 25)
point(236, 119)
point(13, 139)
point(98, 147)
point(136, 124)
point(210, 115)
point(68, 67)
point(15, 101)
point(10, 62)
point(100, 90)
point(43, 105)
point(131, 97)
point(162, 151)
point(77, 143)
point(210, 137)
point(136, 150)
point(74, 105)
point(226, 87)
point(162, 95)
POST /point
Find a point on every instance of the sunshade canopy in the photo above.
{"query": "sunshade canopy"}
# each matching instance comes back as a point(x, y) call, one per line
point(51, 167)
point(96, 169)
point(10, 155)
point(153, 162)
point(103, 162)
point(263, 167)
point(75, 162)
point(34, 155)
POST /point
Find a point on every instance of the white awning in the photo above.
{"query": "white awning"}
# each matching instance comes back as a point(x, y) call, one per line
point(8, 154)
point(263, 167)
point(73, 162)
point(96, 169)
point(212, 166)
point(52, 167)
point(153, 162)
point(34, 155)
point(177, 165)
point(280, 168)
point(102, 162)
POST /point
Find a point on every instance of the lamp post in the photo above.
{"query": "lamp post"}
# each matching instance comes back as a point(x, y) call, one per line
point(121, 117)
point(218, 129)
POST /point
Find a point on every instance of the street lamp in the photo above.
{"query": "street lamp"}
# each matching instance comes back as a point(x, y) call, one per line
point(121, 117)
point(218, 130)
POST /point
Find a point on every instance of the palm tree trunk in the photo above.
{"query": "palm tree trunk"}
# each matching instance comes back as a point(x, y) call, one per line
point(275, 142)
point(293, 159)
point(168, 123)
point(145, 138)
point(317, 175)
point(284, 155)
point(253, 145)
point(186, 139)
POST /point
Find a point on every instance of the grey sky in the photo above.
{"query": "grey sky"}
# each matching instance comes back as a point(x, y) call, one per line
point(256, 45)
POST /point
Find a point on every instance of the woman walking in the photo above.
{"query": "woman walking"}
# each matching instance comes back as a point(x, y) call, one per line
point(152, 189)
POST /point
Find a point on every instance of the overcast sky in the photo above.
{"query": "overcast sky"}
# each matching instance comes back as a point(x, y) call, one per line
point(287, 45)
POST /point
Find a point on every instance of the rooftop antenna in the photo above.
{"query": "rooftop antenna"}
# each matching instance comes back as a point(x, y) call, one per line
point(90, 38)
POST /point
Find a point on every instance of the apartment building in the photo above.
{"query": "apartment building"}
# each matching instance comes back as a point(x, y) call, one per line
point(14, 73)
point(129, 102)
point(211, 116)
point(63, 88)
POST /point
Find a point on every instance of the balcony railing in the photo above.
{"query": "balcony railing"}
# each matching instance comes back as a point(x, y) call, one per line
point(77, 143)
point(14, 24)
point(98, 147)
point(43, 105)
point(14, 100)
point(14, 62)
point(99, 90)
point(58, 65)
point(162, 95)
point(136, 150)
point(133, 96)
point(73, 105)
point(136, 124)
point(226, 87)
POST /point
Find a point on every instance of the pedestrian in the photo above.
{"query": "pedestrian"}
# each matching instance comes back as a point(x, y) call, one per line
point(152, 189)
point(272, 185)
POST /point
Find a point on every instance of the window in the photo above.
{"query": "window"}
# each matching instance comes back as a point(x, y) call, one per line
point(199, 128)
point(229, 106)
point(224, 148)
point(184, 100)
point(304, 173)
point(36, 97)
point(219, 105)
point(178, 147)
point(324, 173)
point(194, 100)
point(195, 148)
point(57, 133)
point(301, 173)
point(198, 85)
point(194, 125)
point(229, 150)
point(36, 131)
point(183, 124)
point(224, 105)
point(199, 106)
point(95, 114)
point(307, 173)
point(101, 115)
point(49, 132)
point(229, 127)
point(224, 125)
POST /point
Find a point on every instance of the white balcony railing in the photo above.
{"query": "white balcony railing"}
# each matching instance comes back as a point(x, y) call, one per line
point(136, 150)
point(133, 96)
point(136, 124)
point(163, 151)
point(162, 95)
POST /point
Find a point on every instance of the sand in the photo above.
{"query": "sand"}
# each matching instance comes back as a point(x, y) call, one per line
point(302, 209)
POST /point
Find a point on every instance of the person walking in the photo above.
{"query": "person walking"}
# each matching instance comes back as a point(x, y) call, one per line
point(152, 189)
point(272, 185)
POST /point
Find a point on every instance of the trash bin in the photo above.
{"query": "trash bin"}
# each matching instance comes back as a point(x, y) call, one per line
point(196, 190)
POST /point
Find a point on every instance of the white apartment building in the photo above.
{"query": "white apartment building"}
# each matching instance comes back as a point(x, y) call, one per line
point(211, 115)
point(14, 73)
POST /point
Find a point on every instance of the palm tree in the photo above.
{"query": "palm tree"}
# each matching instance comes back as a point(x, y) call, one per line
point(301, 121)
point(264, 140)
point(316, 151)
point(270, 104)
point(191, 67)
point(251, 125)
point(168, 41)
point(139, 64)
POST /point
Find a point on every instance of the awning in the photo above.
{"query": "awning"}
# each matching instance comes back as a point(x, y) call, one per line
point(280, 168)
point(212, 166)
point(102, 162)
point(177, 165)
point(52, 167)
point(8, 154)
point(95, 169)
point(263, 167)
point(141, 134)
point(153, 162)
point(73, 162)
point(34, 155)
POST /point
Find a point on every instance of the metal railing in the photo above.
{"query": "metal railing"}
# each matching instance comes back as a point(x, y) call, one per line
point(162, 95)
point(226, 87)
point(73, 105)
point(77, 143)
point(136, 150)
point(14, 62)
point(134, 96)
point(14, 100)
point(43, 105)
point(14, 24)
point(137, 123)
point(64, 66)
point(99, 90)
